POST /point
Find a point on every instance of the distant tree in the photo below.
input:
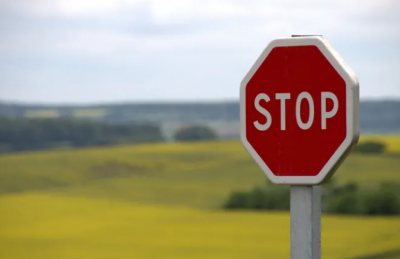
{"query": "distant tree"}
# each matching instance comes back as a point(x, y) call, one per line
point(383, 201)
point(194, 133)
point(32, 134)
point(336, 199)
point(371, 147)
point(238, 200)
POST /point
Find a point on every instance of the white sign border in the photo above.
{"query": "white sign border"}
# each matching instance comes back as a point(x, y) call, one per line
point(352, 110)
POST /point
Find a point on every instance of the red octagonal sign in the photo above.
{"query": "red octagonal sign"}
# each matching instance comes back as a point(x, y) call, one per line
point(299, 110)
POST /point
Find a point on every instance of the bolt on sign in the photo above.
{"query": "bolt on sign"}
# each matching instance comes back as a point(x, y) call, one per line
point(299, 110)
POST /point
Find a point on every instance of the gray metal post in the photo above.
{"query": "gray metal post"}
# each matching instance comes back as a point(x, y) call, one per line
point(305, 222)
point(305, 218)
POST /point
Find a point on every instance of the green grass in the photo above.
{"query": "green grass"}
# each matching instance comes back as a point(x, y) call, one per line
point(160, 201)
point(199, 175)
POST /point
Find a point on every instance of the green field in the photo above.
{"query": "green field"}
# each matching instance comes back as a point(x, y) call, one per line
point(162, 200)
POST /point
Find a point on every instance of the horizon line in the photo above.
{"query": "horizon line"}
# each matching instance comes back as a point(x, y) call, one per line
point(144, 102)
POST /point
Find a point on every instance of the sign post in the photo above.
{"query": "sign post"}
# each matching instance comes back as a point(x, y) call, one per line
point(305, 217)
point(299, 121)
point(305, 222)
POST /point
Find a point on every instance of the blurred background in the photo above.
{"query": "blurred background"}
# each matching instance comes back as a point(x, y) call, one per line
point(119, 129)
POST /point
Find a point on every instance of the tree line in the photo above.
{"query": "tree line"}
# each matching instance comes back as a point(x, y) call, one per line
point(337, 198)
point(23, 134)
point(20, 134)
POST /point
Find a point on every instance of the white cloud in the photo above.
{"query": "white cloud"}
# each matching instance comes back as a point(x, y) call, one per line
point(64, 7)
point(224, 22)
point(181, 10)
point(241, 23)
point(226, 33)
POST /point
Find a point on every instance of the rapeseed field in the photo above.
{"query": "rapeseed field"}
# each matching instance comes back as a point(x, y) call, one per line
point(392, 141)
point(163, 200)
point(38, 225)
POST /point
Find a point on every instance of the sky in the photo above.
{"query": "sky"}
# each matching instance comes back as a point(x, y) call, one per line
point(92, 51)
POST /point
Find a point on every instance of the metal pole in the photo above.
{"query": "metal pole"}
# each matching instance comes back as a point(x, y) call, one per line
point(305, 222)
point(305, 218)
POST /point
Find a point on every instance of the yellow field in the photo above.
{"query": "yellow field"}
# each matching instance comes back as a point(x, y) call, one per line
point(392, 141)
point(90, 113)
point(161, 200)
point(47, 113)
point(45, 226)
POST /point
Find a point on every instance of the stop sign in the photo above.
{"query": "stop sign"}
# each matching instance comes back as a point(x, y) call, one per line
point(299, 110)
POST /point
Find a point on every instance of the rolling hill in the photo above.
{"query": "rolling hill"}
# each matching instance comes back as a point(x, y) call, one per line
point(162, 201)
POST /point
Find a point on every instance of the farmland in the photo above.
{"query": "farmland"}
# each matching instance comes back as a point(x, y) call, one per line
point(162, 200)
